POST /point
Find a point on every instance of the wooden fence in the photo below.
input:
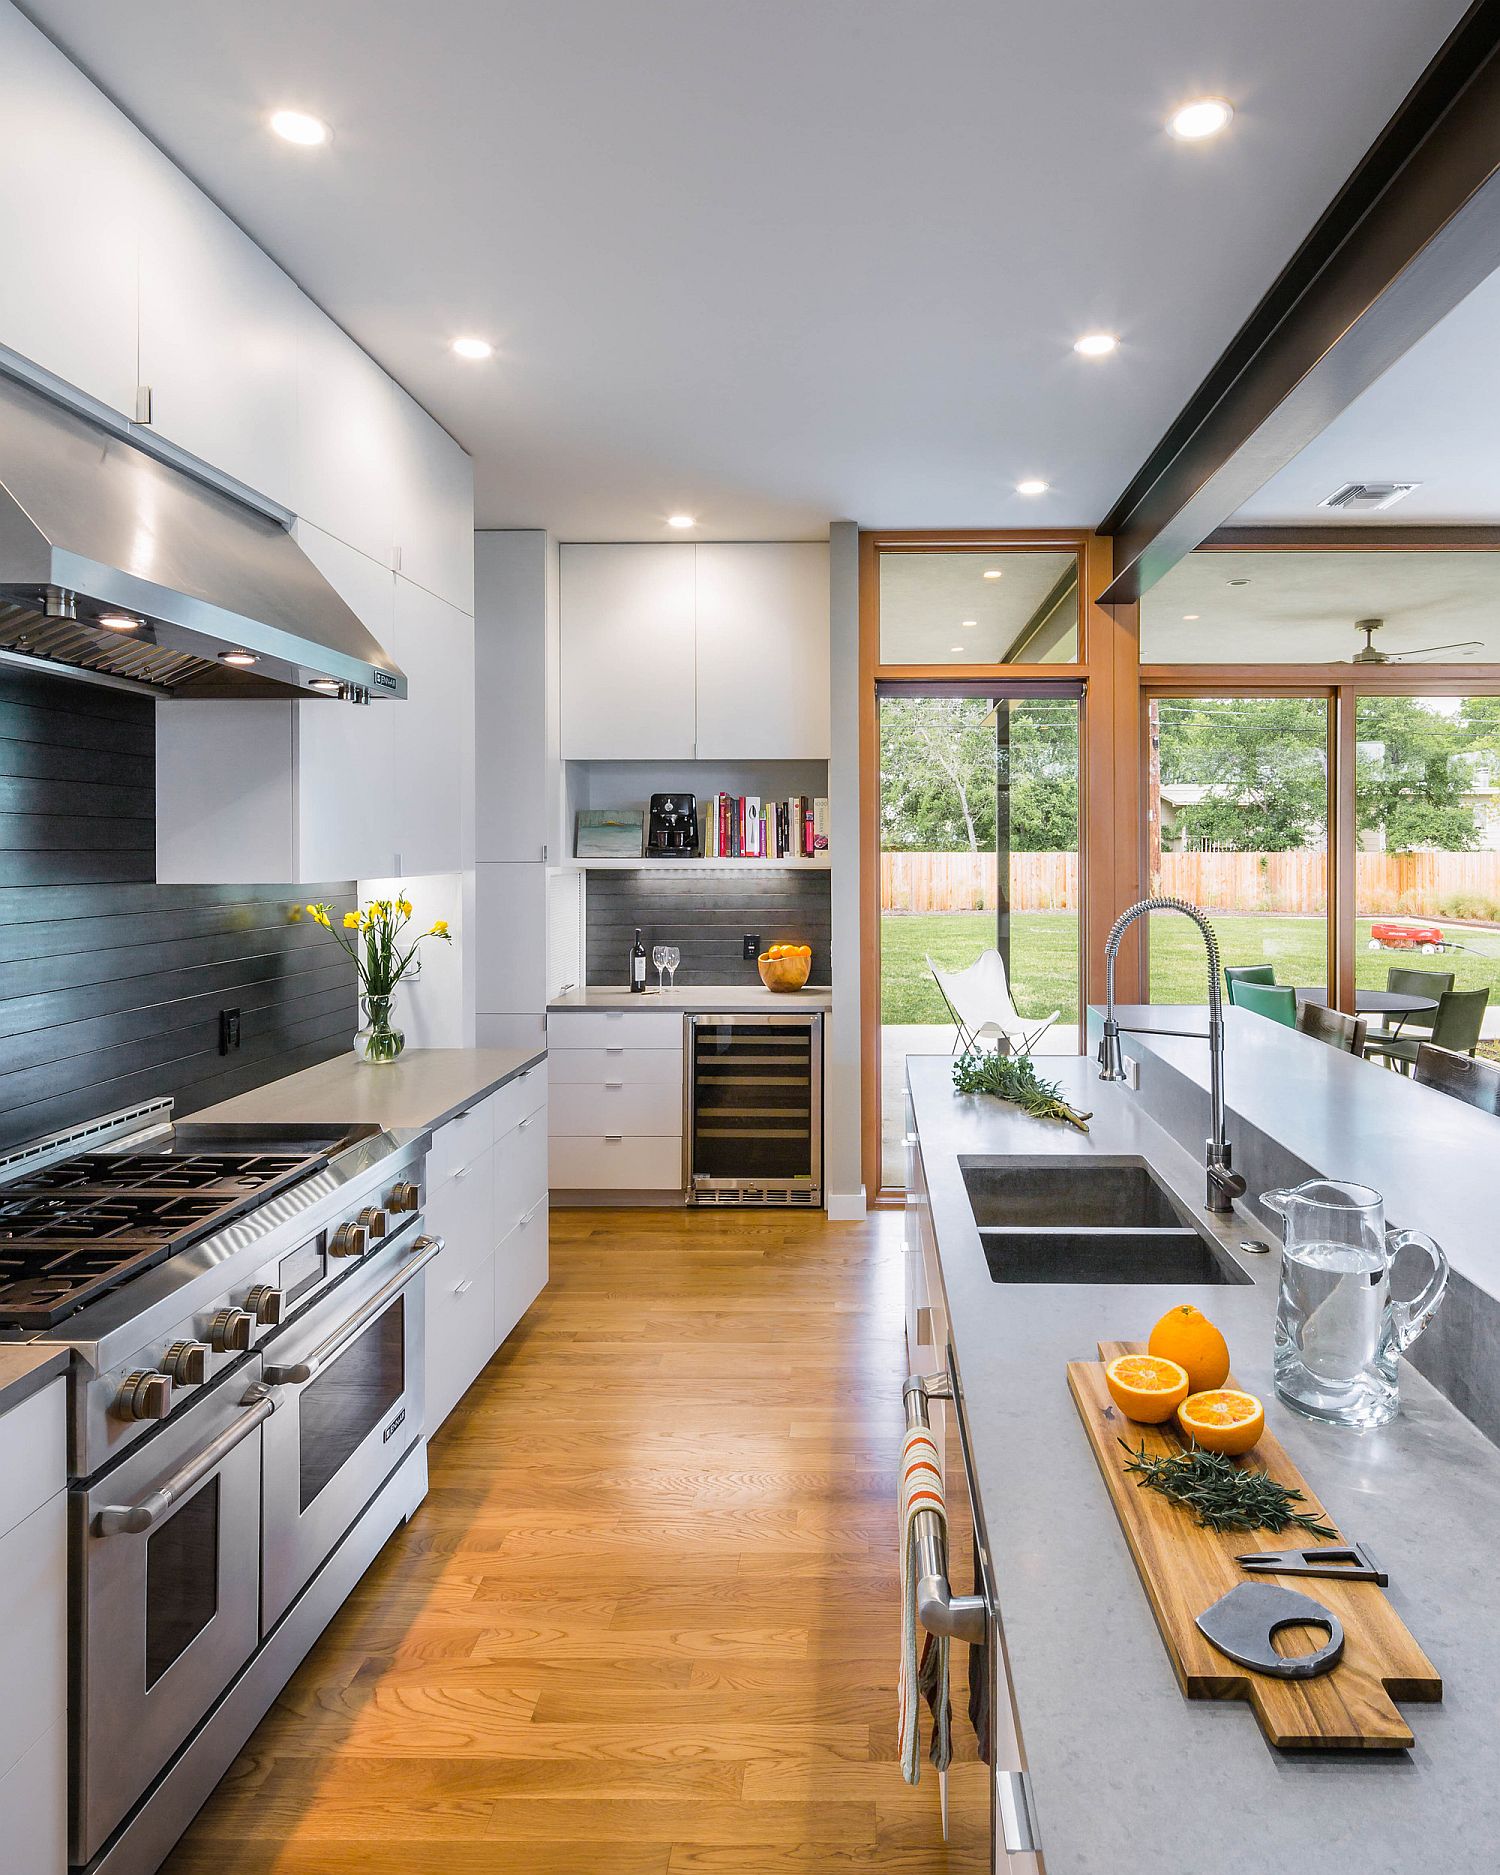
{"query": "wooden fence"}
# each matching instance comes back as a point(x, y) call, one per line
point(1421, 884)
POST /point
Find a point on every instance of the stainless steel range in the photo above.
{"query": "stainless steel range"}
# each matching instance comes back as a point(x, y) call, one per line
point(244, 1307)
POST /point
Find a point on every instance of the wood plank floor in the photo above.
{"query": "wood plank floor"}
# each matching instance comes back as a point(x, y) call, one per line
point(646, 1621)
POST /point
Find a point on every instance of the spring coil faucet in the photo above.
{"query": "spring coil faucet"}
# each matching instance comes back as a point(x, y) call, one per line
point(1224, 1184)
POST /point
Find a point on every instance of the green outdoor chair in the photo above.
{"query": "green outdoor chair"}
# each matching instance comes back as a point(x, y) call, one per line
point(1455, 1026)
point(1246, 973)
point(1413, 983)
point(1276, 1000)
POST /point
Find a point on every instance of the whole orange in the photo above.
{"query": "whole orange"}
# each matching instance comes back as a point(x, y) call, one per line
point(1187, 1336)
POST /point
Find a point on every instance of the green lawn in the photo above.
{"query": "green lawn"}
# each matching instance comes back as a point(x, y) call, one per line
point(1044, 957)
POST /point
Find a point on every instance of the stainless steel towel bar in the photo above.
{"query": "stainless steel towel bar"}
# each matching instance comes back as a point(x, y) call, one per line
point(940, 1611)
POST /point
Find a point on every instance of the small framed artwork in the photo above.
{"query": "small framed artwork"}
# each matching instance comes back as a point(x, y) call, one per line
point(610, 833)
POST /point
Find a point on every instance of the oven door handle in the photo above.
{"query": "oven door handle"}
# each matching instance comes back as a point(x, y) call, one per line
point(136, 1519)
point(424, 1249)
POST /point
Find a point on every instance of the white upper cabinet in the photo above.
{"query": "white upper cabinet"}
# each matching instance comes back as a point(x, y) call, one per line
point(762, 640)
point(511, 694)
point(714, 652)
point(218, 339)
point(433, 507)
point(627, 653)
point(433, 765)
point(348, 438)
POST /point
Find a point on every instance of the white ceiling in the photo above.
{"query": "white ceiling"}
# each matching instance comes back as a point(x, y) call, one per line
point(774, 262)
point(1432, 418)
point(1300, 607)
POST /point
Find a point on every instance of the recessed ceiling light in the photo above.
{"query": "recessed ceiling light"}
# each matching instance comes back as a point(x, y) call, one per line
point(1236, 582)
point(120, 622)
point(1095, 344)
point(955, 647)
point(1033, 485)
point(1202, 117)
point(1189, 618)
point(992, 572)
point(239, 657)
point(968, 623)
point(300, 127)
point(682, 520)
point(472, 348)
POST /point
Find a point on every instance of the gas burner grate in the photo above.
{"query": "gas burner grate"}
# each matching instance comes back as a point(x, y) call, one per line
point(44, 1280)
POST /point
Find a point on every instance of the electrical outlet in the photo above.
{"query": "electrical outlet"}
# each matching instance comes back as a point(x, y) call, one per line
point(229, 1030)
point(752, 945)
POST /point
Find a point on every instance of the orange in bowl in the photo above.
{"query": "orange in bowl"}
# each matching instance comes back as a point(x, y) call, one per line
point(1222, 1420)
point(1145, 1387)
point(1187, 1336)
point(784, 966)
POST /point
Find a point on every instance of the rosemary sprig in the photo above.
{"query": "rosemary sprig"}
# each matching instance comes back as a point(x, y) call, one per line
point(1221, 1495)
point(1012, 1077)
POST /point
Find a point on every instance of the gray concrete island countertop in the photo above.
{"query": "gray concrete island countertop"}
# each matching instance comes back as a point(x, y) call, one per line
point(25, 1368)
point(1125, 1771)
point(421, 1089)
point(706, 999)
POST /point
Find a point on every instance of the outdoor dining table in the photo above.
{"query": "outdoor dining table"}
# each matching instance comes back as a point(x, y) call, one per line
point(1395, 1003)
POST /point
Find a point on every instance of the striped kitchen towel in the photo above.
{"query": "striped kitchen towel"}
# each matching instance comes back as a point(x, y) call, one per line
point(923, 1676)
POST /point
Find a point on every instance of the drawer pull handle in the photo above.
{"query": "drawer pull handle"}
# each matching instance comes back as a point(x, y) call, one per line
point(525, 1123)
point(527, 1216)
point(462, 1172)
point(613, 1139)
point(614, 1051)
point(614, 1083)
point(462, 1289)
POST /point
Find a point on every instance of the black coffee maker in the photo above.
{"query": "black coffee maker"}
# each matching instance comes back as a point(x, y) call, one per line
point(673, 829)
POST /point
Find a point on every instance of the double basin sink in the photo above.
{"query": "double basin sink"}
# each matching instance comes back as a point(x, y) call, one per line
point(1088, 1220)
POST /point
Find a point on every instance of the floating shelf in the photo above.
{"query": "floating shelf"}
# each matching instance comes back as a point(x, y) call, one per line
point(819, 864)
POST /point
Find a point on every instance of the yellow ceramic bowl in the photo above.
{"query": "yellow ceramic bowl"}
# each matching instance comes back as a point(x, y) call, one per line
point(784, 973)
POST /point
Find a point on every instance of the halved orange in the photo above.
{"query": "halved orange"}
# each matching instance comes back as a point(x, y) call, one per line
point(1222, 1420)
point(1145, 1387)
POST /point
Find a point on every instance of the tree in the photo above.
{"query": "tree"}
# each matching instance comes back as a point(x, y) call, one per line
point(1264, 758)
point(1410, 780)
point(939, 766)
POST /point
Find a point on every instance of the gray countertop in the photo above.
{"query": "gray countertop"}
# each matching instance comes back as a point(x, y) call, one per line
point(24, 1367)
point(422, 1089)
point(1124, 1769)
point(708, 998)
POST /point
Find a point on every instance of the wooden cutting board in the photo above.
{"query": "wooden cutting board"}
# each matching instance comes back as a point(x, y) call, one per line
point(1185, 1569)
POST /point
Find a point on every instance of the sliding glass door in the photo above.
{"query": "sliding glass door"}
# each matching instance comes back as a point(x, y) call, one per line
point(979, 876)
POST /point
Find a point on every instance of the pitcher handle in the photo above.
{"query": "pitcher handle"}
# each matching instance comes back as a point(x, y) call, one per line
point(1408, 1319)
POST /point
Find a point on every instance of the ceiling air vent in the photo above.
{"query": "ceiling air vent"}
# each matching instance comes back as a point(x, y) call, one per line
point(1368, 497)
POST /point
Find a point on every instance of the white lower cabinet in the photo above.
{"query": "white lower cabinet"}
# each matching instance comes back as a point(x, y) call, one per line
point(34, 1651)
point(487, 1200)
point(615, 1116)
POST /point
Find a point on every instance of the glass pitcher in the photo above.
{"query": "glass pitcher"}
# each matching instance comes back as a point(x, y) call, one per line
point(1339, 1330)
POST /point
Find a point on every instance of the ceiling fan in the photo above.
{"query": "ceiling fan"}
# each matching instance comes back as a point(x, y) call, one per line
point(1367, 654)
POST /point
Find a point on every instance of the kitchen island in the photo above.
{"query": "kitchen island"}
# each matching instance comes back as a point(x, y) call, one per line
point(1123, 1769)
point(422, 1090)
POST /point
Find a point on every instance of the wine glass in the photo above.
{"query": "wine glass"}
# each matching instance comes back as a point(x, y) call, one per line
point(674, 958)
point(659, 955)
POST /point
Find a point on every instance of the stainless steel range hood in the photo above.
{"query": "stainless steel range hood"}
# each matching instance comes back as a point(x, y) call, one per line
point(92, 527)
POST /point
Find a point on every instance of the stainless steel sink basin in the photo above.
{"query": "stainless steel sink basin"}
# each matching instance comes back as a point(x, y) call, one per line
point(1081, 1220)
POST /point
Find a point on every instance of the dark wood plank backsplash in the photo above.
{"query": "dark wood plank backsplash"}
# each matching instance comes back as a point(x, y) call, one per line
point(706, 914)
point(110, 984)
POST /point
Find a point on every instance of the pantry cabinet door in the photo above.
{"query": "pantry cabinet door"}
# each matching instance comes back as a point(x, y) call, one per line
point(433, 761)
point(627, 652)
point(433, 508)
point(762, 651)
point(348, 439)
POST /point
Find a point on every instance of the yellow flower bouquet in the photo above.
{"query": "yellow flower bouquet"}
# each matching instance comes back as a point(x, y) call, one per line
point(384, 949)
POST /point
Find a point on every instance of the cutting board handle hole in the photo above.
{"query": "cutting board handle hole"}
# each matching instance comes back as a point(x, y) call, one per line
point(1299, 1637)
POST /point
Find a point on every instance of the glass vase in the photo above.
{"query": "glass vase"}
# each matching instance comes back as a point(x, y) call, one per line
point(379, 1040)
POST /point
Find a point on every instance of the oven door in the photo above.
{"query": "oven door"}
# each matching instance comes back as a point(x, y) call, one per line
point(349, 1376)
point(166, 1597)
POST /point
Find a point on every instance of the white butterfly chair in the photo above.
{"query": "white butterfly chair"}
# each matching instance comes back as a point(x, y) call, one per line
point(979, 1002)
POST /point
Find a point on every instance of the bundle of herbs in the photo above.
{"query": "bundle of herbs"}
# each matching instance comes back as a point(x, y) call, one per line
point(1013, 1078)
point(1223, 1495)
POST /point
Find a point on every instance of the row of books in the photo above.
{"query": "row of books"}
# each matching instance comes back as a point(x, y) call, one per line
point(745, 826)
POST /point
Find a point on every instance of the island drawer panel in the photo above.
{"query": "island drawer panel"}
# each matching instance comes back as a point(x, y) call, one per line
point(605, 1028)
point(520, 1269)
point(517, 1099)
point(33, 1453)
point(520, 1172)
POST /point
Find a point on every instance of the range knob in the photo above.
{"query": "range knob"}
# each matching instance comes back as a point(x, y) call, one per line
point(230, 1330)
point(266, 1304)
point(187, 1362)
point(145, 1395)
point(404, 1198)
point(349, 1240)
point(374, 1221)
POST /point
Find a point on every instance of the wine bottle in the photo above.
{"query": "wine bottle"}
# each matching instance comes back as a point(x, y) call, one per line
point(638, 966)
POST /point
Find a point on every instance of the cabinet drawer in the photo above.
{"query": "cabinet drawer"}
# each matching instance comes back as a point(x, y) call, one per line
point(460, 1332)
point(596, 1067)
point(619, 1107)
point(520, 1269)
point(631, 1162)
point(33, 1454)
point(34, 1808)
point(459, 1143)
point(34, 1650)
point(520, 1172)
point(526, 1094)
point(462, 1212)
point(613, 1028)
